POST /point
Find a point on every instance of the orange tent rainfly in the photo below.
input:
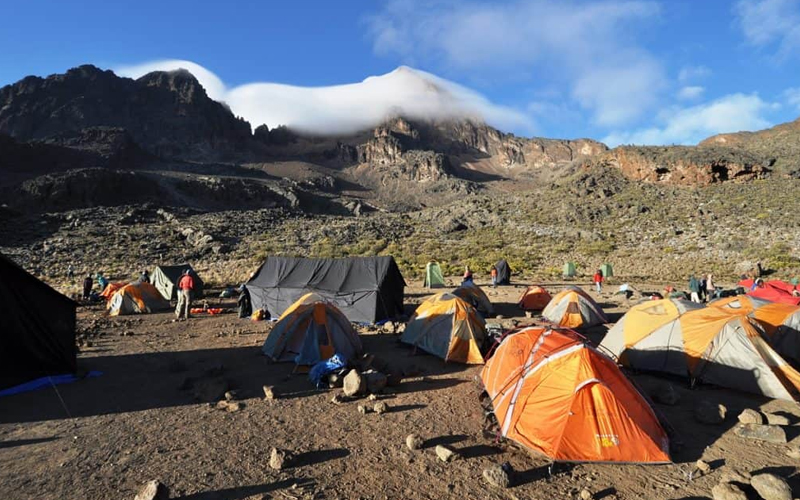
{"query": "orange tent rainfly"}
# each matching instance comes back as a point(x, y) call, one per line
point(774, 291)
point(136, 298)
point(574, 308)
point(534, 298)
point(448, 327)
point(555, 394)
point(110, 289)
point(707, 344)
point(781, 322)
point(477, 298)
point(311, 330)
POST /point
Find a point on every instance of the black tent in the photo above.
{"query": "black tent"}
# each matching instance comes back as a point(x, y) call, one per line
point(366, 289)
point(503, 272)
point(165, 279)
point(37, 328)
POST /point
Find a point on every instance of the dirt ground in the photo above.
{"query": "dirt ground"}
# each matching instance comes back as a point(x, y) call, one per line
point(104, 437)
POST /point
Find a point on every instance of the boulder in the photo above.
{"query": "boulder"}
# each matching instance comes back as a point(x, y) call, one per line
point(703, 466)
point(773, 419)
point(771, 487)
point(446, 454)
point(363, 409)
point(354, 384)
point(709, 413)
point(769, 433)
point(735, 476)
point(586, 494)
point(749, 416)
point(380, 407)
point(727, 491)
point(414, 442)
point(496, 475)
point(667, 395)
point(269, 393)
point(278, 459)
point(153, 490)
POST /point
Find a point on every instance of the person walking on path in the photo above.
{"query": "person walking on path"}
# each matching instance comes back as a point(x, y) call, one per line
point(494, 276)
point(598, 280)
point(87, 286)
point(185, 287)
point(694, 289)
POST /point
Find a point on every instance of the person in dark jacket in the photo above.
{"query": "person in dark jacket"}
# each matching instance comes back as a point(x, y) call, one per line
point(245, 306)
point(88, 282)
point(694, 288)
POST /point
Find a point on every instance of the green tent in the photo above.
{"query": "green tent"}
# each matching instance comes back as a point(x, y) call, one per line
point(433, 275)
point(569, 270)
point(607, 270)
point(165, 279)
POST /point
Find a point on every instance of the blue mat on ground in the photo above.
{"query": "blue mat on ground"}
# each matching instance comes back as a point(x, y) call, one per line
point(41, 383)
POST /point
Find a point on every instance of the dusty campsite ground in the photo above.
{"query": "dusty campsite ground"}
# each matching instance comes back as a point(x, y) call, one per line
point(104, 437)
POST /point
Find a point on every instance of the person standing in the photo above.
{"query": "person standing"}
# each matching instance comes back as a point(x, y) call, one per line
point(694, 288)
point(70, 272)
point(598, 280)
point(144, 277)
point(703, 289)
point(185, 287)
point(87, 286)
point(711, 288)
point(467, 274)
point(102, 282)
point(494, 276)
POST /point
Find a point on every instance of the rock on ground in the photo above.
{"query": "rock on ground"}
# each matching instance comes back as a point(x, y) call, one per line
point(153, 490)
point(771, 487)
point(769, 433)
point(773, 419)
point(354, 384)
point(446, 454)
point(278, 459)
point(710, 413)
point(749, 416)
point(586, 495)
point(380, 407)
point(414, 442)
point(496, 475)
point(727, 491)
point(703, 466)
point(735, 476)
point(269, 393)
point(376, 381)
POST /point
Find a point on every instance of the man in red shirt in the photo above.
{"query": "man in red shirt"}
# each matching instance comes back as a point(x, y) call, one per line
point(598, 280)
point(185, 287)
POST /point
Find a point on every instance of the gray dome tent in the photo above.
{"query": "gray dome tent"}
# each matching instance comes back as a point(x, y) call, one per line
point(503, 272)
point(165, 279)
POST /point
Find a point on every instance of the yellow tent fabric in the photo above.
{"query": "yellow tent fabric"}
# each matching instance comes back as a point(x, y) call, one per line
point(447, 326)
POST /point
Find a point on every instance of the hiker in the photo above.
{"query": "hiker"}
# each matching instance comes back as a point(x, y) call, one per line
point(759, 270)
point(101, 281)
point(694, 288)
point(711, 289)
point(703, 289)
point(185, 287)
point(144, 277)
point(87, 286)
point(467, 274)
point(494, 276)
point(245, 306)
point(597, 279)
point(70, 272)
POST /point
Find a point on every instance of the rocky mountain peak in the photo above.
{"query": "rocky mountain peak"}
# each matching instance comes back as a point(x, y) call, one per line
point(180, 81)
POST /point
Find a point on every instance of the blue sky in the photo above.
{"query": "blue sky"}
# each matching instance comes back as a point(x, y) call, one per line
point(622, 71)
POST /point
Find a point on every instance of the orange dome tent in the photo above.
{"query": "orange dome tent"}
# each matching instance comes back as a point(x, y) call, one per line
point(110, 289)
point(553, 393)
point(136, 298)
point(781, 322)
point(473, 295)
point(574, 308)
point(708, 344)
point(447, 326)
point(534, 298)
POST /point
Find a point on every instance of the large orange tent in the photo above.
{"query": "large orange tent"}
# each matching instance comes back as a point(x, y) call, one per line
point(554, 394)
point(574, 308)
point(136, 298)
point(707, 344)
point(534, 298)
point(311, 330)
point(448, 327)
point(781, 322)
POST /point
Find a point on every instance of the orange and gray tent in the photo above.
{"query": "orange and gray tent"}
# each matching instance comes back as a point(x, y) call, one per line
point(707, 344)
point(136, 298)
point(781, 322)
point(311, 330)
point(574, 308)
point(110, 289)
point(473, 294)
point(534, 298)
point(447, 326)
point(558, 396)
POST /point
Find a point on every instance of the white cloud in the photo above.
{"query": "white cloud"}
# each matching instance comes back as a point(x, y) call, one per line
point(691, 92)
point(342, 109)
point(693, 73)
point(767, 23)
point(731, 113)
point(792, 97)
point(586, 46)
